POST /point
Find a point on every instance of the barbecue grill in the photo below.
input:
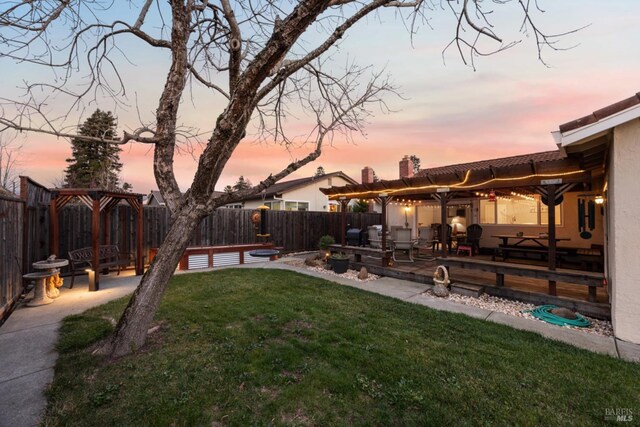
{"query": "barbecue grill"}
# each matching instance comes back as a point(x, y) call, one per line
point(356, 237)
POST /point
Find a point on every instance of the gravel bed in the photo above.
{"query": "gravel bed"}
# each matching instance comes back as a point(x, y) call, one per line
point(350, 274)
point(519, 309)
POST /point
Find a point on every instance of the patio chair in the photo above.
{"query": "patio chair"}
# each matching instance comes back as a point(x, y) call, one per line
point(393, 231)
point(425, 239)
point(438, 240)
point(374, 238)
point(403, 243)
point(474, 233)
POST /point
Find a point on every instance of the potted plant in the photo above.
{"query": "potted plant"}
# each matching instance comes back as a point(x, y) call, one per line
point(339, 262)
point(324, 243)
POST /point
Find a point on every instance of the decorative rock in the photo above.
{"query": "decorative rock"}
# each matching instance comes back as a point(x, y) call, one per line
point(564, 313)
point(440, 291)
point(364, 274)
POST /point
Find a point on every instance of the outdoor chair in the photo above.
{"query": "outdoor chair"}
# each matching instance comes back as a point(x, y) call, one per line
point(425, 239)
point(472, 240)
point(437, 238)
point(403, 243)
point(393, 231)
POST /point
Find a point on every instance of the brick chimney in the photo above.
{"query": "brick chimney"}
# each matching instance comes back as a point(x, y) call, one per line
point(367, 175)
point(406, 167)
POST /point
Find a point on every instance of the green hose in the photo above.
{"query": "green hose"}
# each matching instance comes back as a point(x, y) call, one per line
point(544, 313)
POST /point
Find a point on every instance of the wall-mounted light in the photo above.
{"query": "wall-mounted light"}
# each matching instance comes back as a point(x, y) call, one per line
point(599, 200)
point(406, 220)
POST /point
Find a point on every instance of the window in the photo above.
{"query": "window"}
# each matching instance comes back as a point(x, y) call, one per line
point(544, 214)
point(290, 205)
point(487, 212)
point(274, 206)
point(516, 211)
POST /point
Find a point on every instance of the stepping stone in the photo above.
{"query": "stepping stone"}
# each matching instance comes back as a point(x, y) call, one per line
point(467, 289)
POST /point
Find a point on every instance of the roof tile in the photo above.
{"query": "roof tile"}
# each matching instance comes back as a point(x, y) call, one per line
point(600, 114)
point(545, 156)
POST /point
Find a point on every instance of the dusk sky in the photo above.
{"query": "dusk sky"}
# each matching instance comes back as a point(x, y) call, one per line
point(448, 112)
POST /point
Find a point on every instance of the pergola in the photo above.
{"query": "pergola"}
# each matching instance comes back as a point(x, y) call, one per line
point(548, 174)
point(98, 201)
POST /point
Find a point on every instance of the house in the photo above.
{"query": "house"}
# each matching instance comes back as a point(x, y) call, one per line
point(583, 194)
point(611, 136)
point(154, 199)
point(301, 194)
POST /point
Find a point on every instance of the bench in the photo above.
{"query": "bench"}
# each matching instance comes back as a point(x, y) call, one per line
point(587, 278)
point(109, 256)
point(358, 251)
point(504, 252)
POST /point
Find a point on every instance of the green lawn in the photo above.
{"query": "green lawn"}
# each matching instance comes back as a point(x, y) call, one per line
point(269, 347)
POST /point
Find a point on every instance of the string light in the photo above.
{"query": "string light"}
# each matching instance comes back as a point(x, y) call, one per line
point(458, 186)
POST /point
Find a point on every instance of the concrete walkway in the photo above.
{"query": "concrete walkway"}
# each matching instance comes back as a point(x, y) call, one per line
point(27, 339)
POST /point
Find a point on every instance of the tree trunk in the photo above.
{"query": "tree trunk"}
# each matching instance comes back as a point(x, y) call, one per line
point(131, 331)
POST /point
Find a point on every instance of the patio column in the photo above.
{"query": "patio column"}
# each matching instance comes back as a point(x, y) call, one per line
point(107, 226)
point(95, 240)
point(54, 244)
point(443, 225)
point(551, 197)
point(139, 231)
point(344, 202)
point(383, 202)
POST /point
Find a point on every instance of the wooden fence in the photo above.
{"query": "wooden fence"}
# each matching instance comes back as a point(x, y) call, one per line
point(36, 222)
point(25, 231)
point(293, 231)
point(11, 228)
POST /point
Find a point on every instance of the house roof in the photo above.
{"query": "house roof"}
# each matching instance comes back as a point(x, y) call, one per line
point(524, 171)
point(156, 195)
point(502, 162)
point(598, 123)
point(602, 113)
point(284, 186)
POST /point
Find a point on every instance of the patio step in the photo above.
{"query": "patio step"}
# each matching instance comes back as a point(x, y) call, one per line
point(467, 289)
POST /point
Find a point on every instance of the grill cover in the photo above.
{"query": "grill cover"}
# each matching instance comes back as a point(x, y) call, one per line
point(354, 237)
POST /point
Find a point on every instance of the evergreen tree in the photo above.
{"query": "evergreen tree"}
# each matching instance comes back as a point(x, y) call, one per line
point(320, 171)
point(95, 164)
point(416, 163)
point(242, 184)
point(360, 206)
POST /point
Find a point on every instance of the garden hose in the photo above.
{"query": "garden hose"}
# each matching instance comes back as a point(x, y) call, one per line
point(544, 313)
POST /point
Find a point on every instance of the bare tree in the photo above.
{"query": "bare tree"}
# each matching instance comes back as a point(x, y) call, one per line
point(261, 57)
point(9, 161)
